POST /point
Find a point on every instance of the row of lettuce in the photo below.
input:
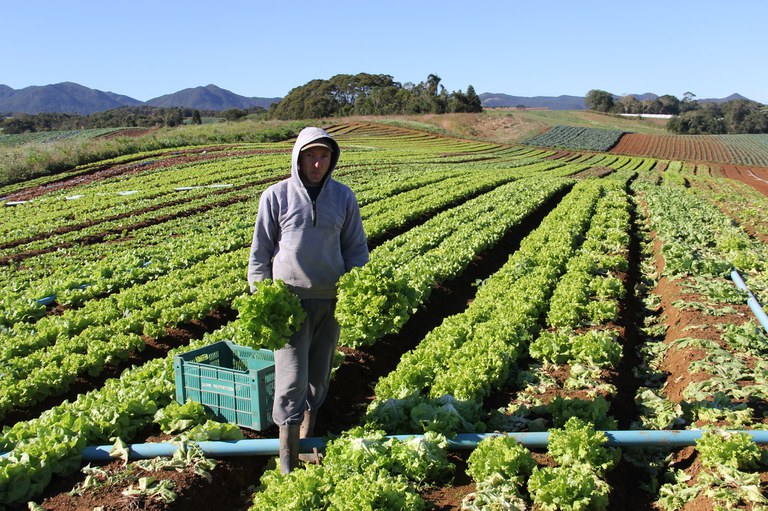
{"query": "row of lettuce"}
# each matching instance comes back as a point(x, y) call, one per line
point(723, 386)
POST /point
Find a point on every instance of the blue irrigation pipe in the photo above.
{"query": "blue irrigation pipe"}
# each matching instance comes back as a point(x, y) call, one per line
point(751, 300)
point(462, 442)
point(47, 300)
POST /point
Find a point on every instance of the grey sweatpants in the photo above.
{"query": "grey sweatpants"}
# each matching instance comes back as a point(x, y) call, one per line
point(303, 366)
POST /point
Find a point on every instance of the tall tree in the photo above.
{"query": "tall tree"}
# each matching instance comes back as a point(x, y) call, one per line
point(688, 102)
point(599, 100)
point(629, 105)
point(432, 83)
point(474, 101)
point(669, 104)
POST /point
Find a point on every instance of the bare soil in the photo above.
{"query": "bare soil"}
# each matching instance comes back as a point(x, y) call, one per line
point(756, 177)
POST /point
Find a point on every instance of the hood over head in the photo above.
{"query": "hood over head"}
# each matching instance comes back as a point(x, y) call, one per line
point(314, 136)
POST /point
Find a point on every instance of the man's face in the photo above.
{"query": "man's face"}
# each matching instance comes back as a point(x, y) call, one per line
point(314, 164)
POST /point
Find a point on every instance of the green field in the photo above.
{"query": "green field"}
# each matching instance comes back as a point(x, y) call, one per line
point(510, 288)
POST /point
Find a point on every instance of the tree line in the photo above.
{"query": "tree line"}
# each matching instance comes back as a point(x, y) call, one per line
point(691, 117)
point(372, 94)
point(129, 116)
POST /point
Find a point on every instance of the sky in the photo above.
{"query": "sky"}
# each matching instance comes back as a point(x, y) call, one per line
point(145, 49)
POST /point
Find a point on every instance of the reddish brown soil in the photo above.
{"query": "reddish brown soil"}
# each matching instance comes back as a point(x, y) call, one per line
point(672, 147)
point(756, 177)
point(681, 324)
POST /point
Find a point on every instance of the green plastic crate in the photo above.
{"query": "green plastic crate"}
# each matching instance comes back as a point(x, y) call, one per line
point(235, 383)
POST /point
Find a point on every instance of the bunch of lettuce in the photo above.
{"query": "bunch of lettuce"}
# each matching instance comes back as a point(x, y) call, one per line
point(420, 459)
point(362, 469)
point(579, 443)
point(572, 488)
point(495, 493)
point(729, 476)
point(594, 411)
point(735, 450)
point(501, 455)
point(373, 302)
point(500, 466)
point(595, 347)
point(577, 482)
point(503, 469)
point(417, 414)
point(267, 317)
point(191, 421)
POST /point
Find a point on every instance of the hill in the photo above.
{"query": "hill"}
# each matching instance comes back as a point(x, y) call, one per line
point(732, 97)
point(65, 97)
point(68, 97)
point(515, 126)
point(210, 97)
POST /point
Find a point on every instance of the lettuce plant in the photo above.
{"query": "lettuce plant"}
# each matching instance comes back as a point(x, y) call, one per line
point(501, 455)
point(735, 450)
point(268, 316)
point(572, 488)
point(579, 443)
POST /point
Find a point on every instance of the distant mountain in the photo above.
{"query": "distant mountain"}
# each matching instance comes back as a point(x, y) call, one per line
point(732, 97)
point(68, 97)
point(642, 97)
point(497, 100)
point(652, 96)
point(210, 97)
point(5, 91)
point(491, 100)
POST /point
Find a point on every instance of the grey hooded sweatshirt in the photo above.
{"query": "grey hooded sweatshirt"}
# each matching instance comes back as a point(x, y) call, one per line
point(307, 244)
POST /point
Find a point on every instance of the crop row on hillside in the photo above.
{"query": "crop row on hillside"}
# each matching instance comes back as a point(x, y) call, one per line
point(731, 149)
point(571, 137)
point(735, 149)
point(532, 321)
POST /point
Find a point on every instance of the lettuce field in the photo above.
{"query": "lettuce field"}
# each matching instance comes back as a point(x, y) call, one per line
point(511, 289)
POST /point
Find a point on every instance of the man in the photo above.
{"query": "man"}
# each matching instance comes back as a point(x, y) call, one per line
point(308, 233)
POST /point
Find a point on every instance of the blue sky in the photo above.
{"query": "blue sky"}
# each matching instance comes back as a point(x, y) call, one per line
point(145, 49)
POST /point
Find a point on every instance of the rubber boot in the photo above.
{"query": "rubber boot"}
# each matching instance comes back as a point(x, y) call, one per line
point(308, 424)
point(307, 430)
point(289, 448)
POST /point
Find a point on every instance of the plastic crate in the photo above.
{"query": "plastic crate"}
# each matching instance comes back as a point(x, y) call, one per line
point(235, 383)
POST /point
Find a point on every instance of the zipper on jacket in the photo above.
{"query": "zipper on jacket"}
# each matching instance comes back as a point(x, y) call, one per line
point(314, 213)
